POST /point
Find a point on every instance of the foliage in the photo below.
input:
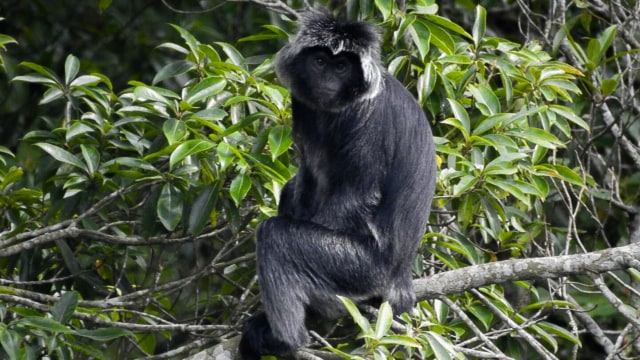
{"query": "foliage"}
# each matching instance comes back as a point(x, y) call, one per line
point(502, 126)
point(147, 166)
point(127, 214)
point(379, 340)
point(4, 41)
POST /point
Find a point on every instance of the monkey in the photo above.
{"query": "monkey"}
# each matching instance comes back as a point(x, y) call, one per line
point(351, 219)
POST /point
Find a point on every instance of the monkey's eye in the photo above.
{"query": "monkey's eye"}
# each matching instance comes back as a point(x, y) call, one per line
point(321, 62)
point(341, 66)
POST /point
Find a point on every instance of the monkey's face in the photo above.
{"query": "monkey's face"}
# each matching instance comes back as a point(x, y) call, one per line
point(325, 81)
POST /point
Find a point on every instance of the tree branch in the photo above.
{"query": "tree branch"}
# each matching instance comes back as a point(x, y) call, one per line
point(72, 232)
point(469, 278)
point(461, 280)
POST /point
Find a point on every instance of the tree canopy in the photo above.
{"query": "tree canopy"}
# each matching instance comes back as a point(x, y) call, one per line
point(141, 143)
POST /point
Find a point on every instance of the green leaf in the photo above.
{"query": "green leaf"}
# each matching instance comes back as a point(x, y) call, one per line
point(47, 324)
point(5, 40)
point(510, 187)
point(568, 114)
point(146, 93)
point(494, 121)
point(569, 175)
point(190, 40)
point(545, 304)
point(174, 130)
point(238, 99)
point(202, 208)
point(63, 155)
point(170, 206)
point(421, 37)
point(188, 148)
point(11, 176)
point(605, 40)
point(577, 49)
point(279, 140)
point(173, 69)
point(479, 26)
point(240, 188)
point(401, 340)
point(385, 318)
point(562, 84)
point(610, 85)
point(447, 24)
point(494, 215)
point(482, 314)
point(560, 171)
point(34, 78)
point(173, 47)
point(91, 157)
point(508, 88)
point(12, 344)
point(441, 39)
point(234, 55)
point(146, 342)
point(63, 310)
point(71, 68)
point(401, 33)
point(385, 7)
point(427, 81)
point(538, 137)
point(466, 183)
point(226, 154)
point(105, 80)
point(50, 95)
point(46, 72)
point(4, 150)
point(205, 89)
point(340, 353)
point(360, 320)
point(461, 119)
point(560, 332)
point(261, 37)
point(486, 101)
point(68, 255)
point(105, 334)
point(211, 115)
point(86, 80)
point(440, 347)
point(500, 168)
point(104, 5)
point(84, 350)
point(455, 245)
point(544, 335)
point(499, 162)
point(130, 162)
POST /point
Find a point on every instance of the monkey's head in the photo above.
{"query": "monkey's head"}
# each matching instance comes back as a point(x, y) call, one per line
point(330, 64)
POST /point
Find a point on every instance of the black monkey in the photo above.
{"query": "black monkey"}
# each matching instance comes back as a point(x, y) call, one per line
point(351, 219)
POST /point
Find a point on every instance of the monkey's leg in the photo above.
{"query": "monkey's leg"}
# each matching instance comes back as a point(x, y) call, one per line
point(303, 264)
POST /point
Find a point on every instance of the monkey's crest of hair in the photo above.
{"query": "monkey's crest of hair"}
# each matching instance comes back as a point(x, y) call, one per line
point(320, 29)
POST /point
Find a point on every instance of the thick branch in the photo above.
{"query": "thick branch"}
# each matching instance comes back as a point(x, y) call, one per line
point(460, 280)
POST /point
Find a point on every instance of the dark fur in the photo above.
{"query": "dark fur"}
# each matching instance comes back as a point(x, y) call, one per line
point(351, 219)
